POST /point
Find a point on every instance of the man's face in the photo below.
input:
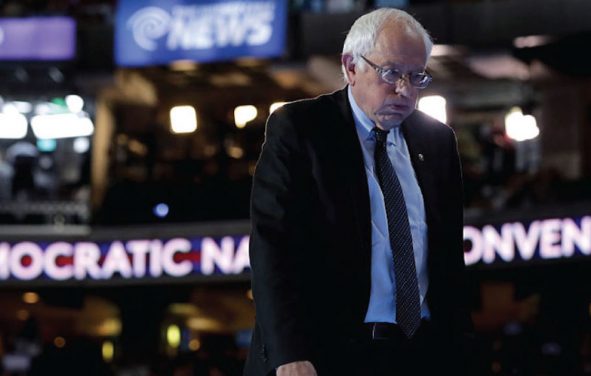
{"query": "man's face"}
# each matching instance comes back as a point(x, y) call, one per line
point(388, 104)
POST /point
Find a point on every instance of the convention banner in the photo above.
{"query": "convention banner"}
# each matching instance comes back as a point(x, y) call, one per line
point(547, 239)
point(160, 258)
point(139, 259)
point(158, 32)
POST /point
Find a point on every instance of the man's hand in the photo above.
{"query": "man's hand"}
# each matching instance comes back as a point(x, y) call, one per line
point(302, 368)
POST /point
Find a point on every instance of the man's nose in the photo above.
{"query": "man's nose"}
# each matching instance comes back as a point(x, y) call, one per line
point(403, 86)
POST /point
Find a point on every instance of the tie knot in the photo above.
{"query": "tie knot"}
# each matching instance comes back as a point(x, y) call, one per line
point(381, 135)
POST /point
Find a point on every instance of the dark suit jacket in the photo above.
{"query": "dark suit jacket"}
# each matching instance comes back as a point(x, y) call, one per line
point(310, 244)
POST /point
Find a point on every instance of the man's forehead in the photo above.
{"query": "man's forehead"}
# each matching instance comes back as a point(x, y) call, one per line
point(400, 43)
point(399, 33)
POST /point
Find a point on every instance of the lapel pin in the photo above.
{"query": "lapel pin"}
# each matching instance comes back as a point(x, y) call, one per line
point(421, 157)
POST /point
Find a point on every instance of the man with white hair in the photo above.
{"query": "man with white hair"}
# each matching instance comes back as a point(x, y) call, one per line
point(356, 239)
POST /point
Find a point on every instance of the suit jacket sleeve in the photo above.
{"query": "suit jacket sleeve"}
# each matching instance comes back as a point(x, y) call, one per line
point(278, 212)
point(459, 289)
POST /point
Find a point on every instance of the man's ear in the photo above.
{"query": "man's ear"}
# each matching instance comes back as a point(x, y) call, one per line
point(350, 68)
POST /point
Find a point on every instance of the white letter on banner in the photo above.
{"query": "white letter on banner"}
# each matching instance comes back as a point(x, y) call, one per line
point(212, 255)
point(550, 239)
point(473, 235)
point(230, 28)
point(241, 259)
point(86, 260)
point(526, 241)
point(31, 271)
point(170, 266)
point(139, 249)
point(116, 260)
point(262, 30)
point(177, 29)
point(52, 252)
point(201, 33)
point(503, 244)
point(571, 234)
point(4, 253)
point(156, 258)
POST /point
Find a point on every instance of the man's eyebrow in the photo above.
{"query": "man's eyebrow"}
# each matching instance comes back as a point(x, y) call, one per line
point(395, 67)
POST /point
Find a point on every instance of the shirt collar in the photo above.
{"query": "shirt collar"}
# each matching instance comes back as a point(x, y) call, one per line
point(364, 124)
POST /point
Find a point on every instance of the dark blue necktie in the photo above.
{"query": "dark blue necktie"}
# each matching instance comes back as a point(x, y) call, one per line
point(408, 307)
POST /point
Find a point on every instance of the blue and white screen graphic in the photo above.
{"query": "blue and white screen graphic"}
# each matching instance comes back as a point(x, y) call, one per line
point(159, 32)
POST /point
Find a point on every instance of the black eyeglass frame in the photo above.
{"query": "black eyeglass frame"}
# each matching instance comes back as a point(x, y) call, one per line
point(419, 80)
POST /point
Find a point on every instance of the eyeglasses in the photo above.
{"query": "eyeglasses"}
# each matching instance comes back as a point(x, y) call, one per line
point(420, 80)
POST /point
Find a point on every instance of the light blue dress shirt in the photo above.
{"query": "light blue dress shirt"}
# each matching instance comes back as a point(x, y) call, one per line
point(382, 307)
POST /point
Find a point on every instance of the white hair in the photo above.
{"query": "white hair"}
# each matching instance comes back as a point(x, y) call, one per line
point(363, 35)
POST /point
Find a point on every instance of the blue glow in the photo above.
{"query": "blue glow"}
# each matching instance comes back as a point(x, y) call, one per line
point(46, 145)
point(161, 210)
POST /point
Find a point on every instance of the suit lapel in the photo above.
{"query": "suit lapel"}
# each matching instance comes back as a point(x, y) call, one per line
point(353, 171)
point(419, 156)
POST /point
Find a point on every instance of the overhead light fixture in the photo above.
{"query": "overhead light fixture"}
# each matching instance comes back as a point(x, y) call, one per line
point(447, 50)
point(30, 297)
point(531, 41)
point(275, 106)
point(22, 107)
point(173, 336)
point(183, 119)
point(23, 314)
point(13, 125)
point(81, 145)
point(244, 114)
point(235, 152)
point(161, 210)
point(59, 342)
point(194, 344)
point(75, 103)
point(44, 108)
point(183, 65)
point(108, 351)
point(61, 126)
point(434, 106)
point(46, 145)
point(520, 127)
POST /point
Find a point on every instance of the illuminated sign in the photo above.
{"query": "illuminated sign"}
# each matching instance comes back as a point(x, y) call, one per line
point(132, 259)
point(545, 239)
point(179, 257)
point(37, 38)
point(159, 32)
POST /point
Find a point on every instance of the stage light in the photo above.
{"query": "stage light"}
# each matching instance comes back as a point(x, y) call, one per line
point(61, 126)
point(108, 351)
point(244, 114)
point(30, 297)
point(194, 344)
point(173, 336)
point(520, 127)
point(22, 107)
point(81, 145)
point(183, 119)
point(13, 125)
point(75, 103)
point(59, 342)
point(161, 210)
point(434, 106)
point(46, 145)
